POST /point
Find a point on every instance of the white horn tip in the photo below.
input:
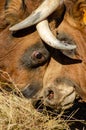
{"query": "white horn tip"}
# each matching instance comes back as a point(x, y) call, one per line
point(13, 28)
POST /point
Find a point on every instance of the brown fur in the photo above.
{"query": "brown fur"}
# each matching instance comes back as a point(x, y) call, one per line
point(75, 12)
point(32, 5)
point(2, 15)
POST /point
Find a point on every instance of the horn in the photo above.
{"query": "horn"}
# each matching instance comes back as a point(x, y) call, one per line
point(48, 37)
point(42, 12)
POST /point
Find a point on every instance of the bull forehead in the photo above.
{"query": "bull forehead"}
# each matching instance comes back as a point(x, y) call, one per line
point(10, 44)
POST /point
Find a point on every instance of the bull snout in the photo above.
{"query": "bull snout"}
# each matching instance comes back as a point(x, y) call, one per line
point(59, 95)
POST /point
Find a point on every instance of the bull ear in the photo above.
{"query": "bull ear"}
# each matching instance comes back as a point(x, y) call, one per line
point(14, 11)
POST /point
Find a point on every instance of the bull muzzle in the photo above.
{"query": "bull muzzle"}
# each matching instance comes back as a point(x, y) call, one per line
point(59, 96)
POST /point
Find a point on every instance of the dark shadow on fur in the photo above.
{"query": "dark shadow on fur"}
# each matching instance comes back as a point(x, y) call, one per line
point(24, 32)
point(64, 60)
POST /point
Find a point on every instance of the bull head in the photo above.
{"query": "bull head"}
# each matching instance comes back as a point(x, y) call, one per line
point(69, 71)
point(60, 75)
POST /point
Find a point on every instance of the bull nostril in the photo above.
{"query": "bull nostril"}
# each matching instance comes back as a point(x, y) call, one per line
point(50, 94)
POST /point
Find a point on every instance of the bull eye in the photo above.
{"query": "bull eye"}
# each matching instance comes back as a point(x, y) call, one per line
point(37, 55)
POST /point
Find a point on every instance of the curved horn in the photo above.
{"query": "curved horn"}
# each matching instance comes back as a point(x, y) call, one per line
point(43, 11)
point(47, 36)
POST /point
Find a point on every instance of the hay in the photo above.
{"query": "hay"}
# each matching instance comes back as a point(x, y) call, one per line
point(17, 113)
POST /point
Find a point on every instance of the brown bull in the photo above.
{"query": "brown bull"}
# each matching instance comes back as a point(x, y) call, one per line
point(27, 59)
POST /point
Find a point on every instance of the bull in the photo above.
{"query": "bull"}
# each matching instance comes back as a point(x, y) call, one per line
point(61, 68)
